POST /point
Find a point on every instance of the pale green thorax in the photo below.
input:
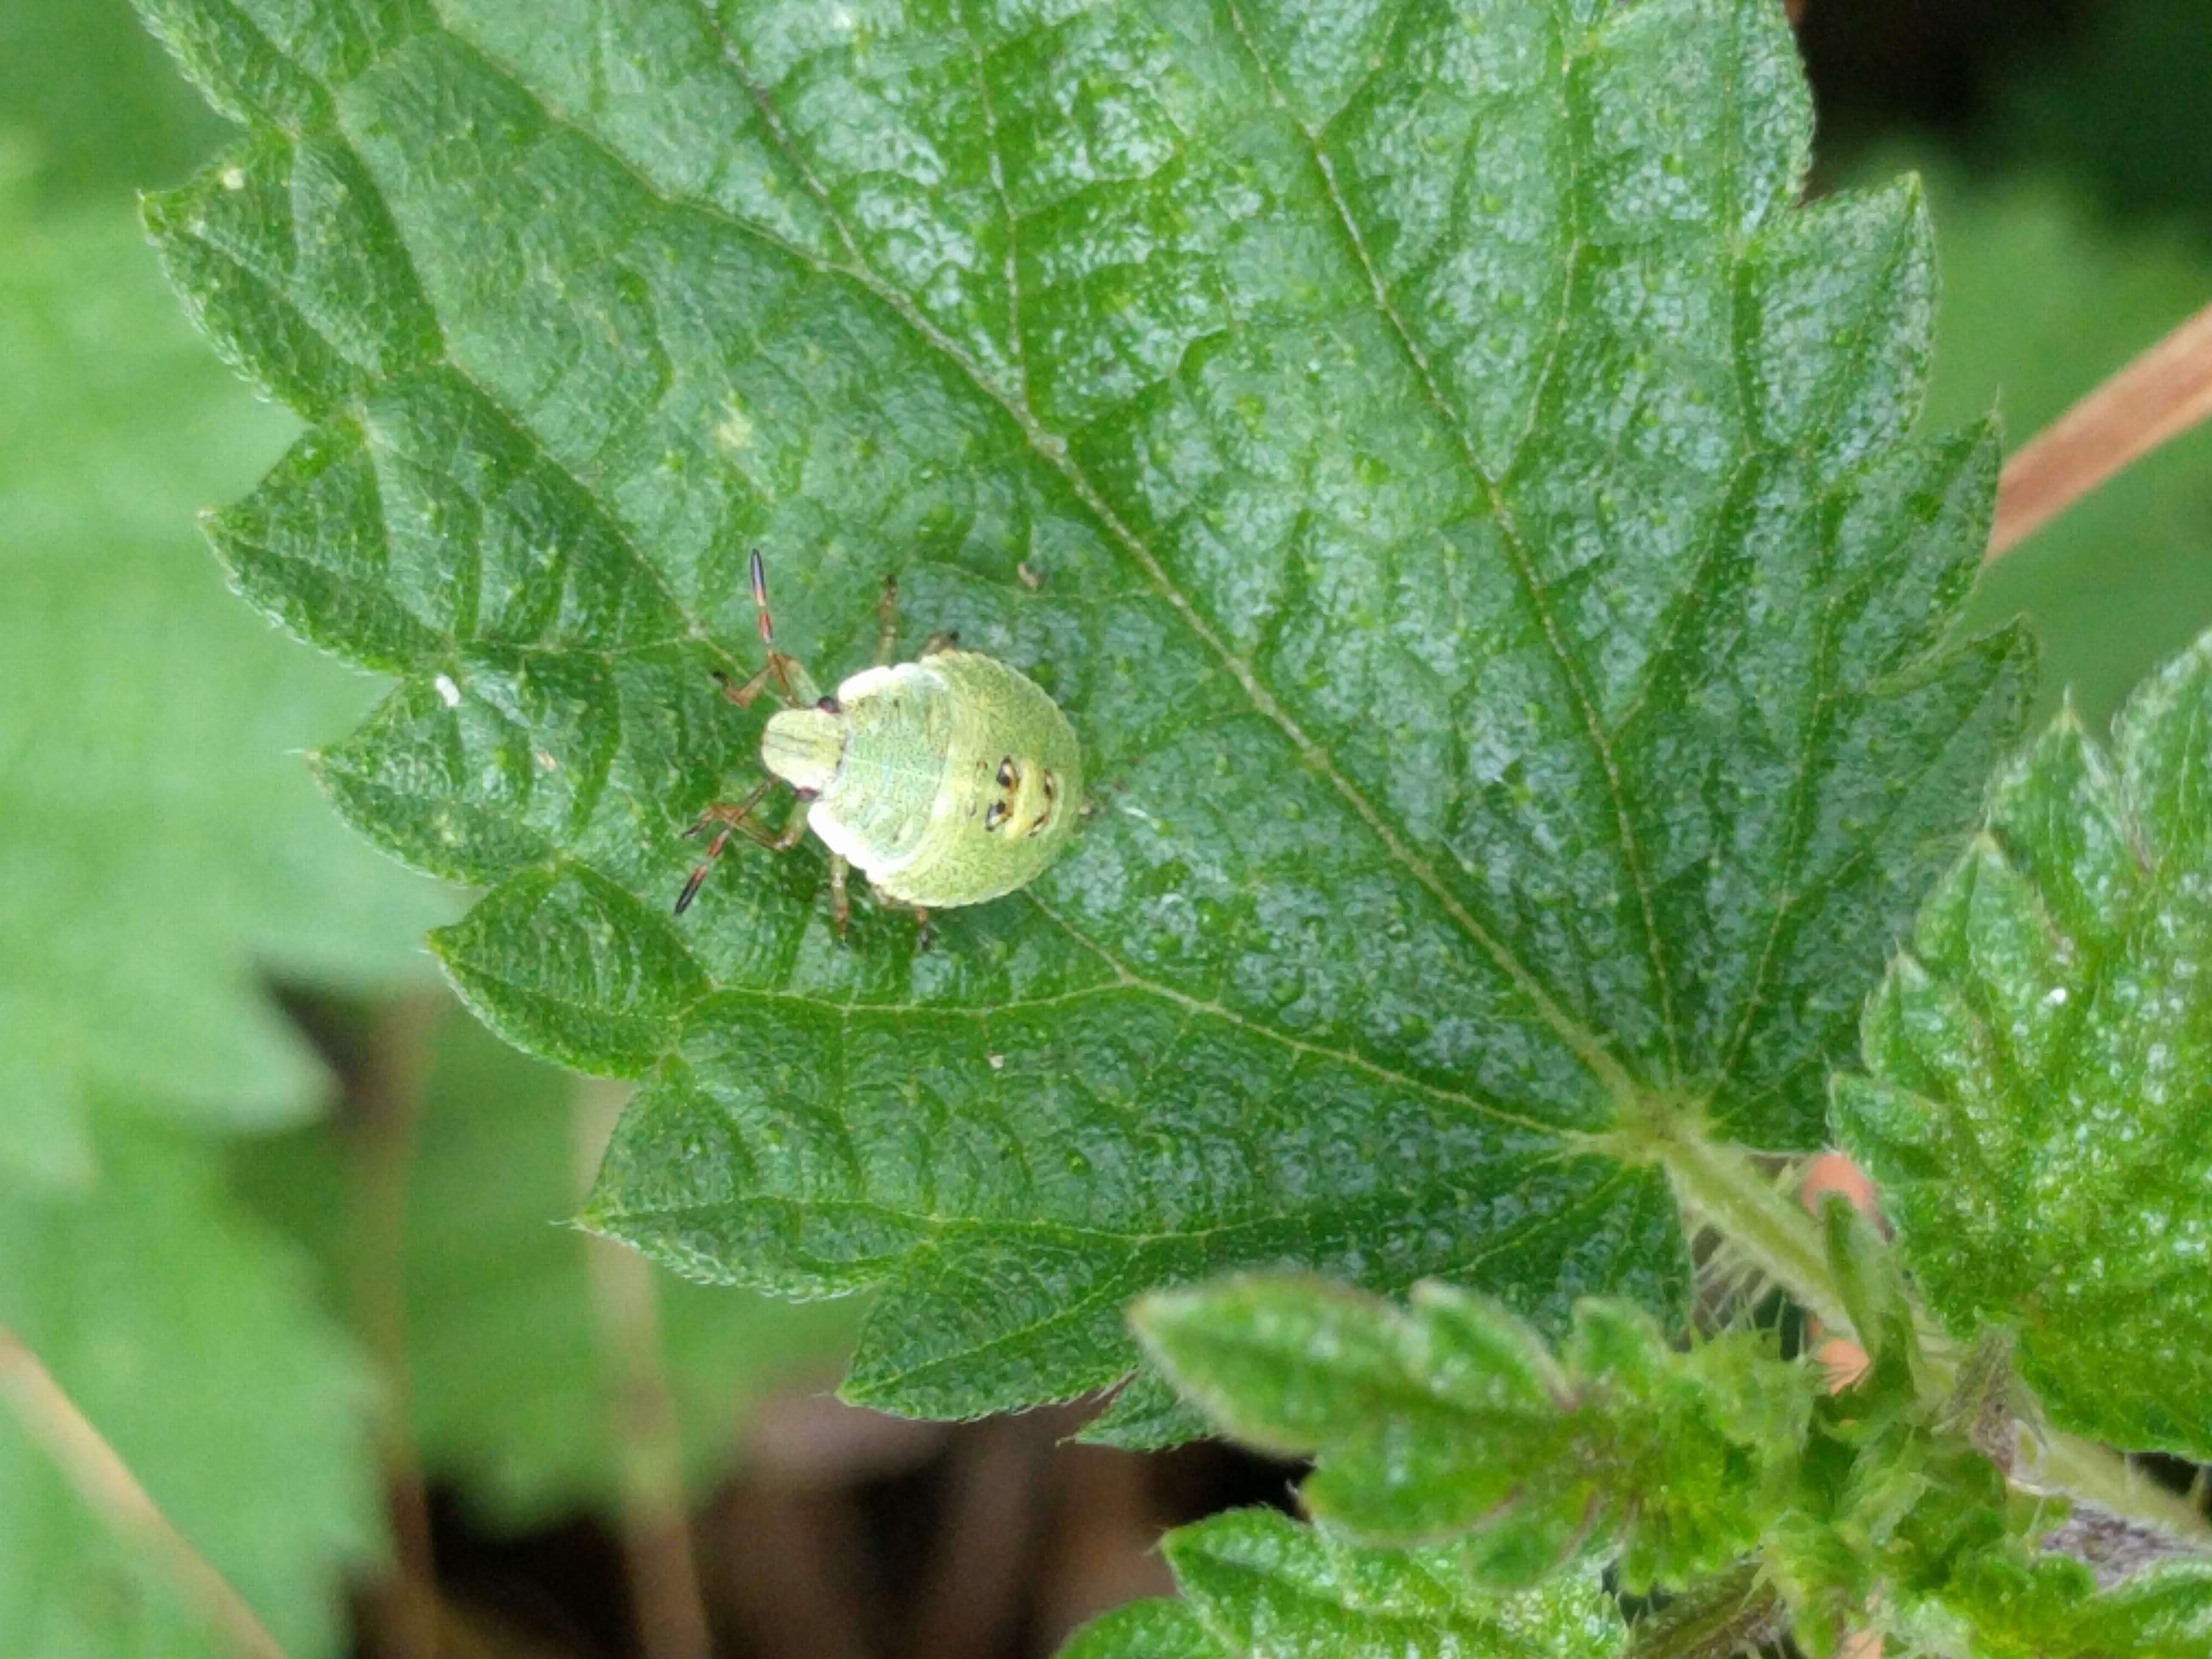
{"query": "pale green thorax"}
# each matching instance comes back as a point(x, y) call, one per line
point(946, 781)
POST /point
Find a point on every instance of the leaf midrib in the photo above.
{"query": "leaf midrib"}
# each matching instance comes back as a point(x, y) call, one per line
point(1583, 1042)
point(1510, 536)
point(1579, 1039)
point(939, 1224)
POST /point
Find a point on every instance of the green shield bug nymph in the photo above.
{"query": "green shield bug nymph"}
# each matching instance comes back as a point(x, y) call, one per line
point(948, 781)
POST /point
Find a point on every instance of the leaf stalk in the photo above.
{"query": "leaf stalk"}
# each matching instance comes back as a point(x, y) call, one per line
point(1723, 1186)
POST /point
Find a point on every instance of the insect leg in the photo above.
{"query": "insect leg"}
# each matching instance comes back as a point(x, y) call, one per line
point(840, 901)
point(733, 817)
point(797, 687)
point(887, 624)
point(743, 695)
point(919, 912)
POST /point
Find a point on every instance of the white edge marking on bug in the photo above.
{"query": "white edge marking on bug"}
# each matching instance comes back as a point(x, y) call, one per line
point(837, 837)
point(854, 687)
point(448, 693)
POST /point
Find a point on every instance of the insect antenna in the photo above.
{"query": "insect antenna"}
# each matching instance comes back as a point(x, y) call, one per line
point(767, 629)
point(731, 819)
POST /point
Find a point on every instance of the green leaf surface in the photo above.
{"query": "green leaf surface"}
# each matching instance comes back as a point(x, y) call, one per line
point(1454, 1418)
point(1257, 1585)
point(1464, 508)
point(2039, 1113)
point(159, 846)
point(187, 1332)
point(2048, 1608)
point(1764, 1503)
point(1144, 1630)
point(508, 1385)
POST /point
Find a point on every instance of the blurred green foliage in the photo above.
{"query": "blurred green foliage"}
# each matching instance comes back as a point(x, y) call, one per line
point(185, 1329)
point(83, 83)
point(159, 851)
point(506, 1386)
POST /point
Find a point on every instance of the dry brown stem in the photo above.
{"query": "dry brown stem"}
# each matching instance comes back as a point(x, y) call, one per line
point(2154, 398)
point(104, 1480)
point(384, 1107)
point(670, 1614)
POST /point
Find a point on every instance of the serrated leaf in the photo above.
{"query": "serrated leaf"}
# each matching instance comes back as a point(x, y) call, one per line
point(508, 1382)
point(188, 1335)
point(1454, 1418)
point(158, 847)
point(1472, 526)
point(2050, 1608)
point(1144, 1630)
point(1257, 1585)
point(2038, 1105)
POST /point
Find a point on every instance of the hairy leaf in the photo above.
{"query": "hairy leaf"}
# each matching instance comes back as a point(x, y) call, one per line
point(1257, 1585)
point(2039, 1109)
point(1761, 1502)
point(1454, 1417)
point(509, 1387)
point(158, 846)
point(2049, 1608)
point(187, 1334)
point(1466, 509)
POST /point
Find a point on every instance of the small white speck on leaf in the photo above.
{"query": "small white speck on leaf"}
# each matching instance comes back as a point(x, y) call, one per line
point(998, 1062)
point(2056, 997)
point(448, 693)
point(1031, 579)
point(234, 178)
point(735, 431)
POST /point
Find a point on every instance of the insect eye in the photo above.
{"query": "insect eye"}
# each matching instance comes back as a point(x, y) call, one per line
point(1009, 775)
point(1051, 801)
point(996, 815)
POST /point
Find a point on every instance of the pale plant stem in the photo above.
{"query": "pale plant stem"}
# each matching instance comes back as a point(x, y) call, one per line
point(385, 1109)
point(671, 1613)
point(104, 1480)
point(1723, 1185)
point(2158, 397)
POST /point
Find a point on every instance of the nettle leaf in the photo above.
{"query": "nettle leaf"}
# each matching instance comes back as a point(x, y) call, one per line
point(159, 848)
point(1454, 1418)
point(187, 1334)
point(1257, 1585)
point(2039, 1111)
point(508, 1385)
point(2048, 1608)
point(1465, 508)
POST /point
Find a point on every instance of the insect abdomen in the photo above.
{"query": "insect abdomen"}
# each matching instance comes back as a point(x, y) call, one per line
point(898, 723)
point(1013, 785)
